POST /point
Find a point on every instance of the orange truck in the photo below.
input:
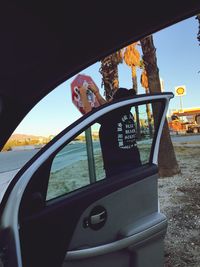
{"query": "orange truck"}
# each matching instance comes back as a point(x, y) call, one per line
point(185, 121)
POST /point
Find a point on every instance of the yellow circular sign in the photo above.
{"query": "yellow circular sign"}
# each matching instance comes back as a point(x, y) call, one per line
point(180, 91)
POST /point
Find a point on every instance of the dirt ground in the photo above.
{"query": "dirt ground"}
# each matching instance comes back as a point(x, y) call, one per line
point(180, 202)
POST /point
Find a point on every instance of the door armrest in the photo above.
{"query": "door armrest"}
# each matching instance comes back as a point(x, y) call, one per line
point(145, 228)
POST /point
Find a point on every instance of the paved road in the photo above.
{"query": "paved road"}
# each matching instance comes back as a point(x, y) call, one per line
point(71, 154)
point(13, 160)
point(185, 138)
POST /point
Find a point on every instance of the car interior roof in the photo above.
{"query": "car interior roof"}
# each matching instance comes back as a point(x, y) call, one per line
point(45, 43)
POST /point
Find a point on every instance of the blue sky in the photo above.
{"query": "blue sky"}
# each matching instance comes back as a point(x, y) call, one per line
point(178, 56)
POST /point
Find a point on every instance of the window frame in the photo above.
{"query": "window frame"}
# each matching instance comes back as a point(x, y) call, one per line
point(95, 120)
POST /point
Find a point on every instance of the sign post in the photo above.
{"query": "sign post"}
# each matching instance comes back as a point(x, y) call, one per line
point(180, 91)
point(84, 80)
point(90, 155)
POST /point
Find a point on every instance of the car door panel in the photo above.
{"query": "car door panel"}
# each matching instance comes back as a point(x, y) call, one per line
point(119, 232)
point(78, 206)
point(56, 231)
point(139, 243)
point(118, 216)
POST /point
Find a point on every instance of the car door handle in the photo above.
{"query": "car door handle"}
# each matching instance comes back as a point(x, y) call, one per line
point(98, 218)
point(153, 225)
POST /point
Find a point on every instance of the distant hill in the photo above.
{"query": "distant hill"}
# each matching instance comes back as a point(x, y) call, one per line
point(26, 140)
point(24, 136)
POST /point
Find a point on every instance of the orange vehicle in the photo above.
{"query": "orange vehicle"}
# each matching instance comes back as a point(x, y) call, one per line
point(185, 120)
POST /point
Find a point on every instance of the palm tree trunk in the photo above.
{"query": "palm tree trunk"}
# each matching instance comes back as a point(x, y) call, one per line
point(167, 162)
point(109, 72)
point(149, 117)
point(135, 87)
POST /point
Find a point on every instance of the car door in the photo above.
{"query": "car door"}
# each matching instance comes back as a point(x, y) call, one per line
point(61, 209)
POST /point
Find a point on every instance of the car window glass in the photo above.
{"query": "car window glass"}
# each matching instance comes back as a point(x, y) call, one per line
point(115, 144)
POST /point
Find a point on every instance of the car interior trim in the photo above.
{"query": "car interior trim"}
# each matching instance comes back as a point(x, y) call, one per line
point(155, 224)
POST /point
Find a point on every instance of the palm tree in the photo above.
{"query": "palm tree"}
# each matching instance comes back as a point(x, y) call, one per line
point(135, 87)
point(167, 162)
point(109, 72)
point(145, 84)
point(132, 57)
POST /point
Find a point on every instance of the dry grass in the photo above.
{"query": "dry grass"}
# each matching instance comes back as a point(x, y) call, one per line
point(180, 202)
